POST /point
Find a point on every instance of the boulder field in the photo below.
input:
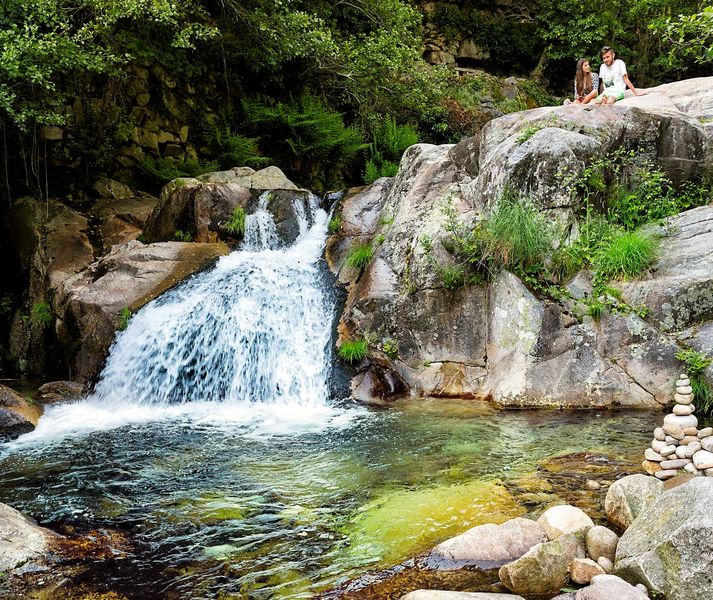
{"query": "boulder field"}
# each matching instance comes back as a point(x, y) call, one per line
point(498, 340)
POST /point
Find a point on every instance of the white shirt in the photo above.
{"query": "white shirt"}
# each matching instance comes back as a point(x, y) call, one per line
point(613, 77)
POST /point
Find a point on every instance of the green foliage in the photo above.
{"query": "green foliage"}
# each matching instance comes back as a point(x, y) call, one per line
point(41, 315)
point(626, 254)
point(335, 224)
point(689, 36)
point(354, 350)
point(235, 150)
point(697, 362)
point(124, 318)
point(236, 223)
point(182, 236)
point(389, 142)
point(359, 256)
point(527, 132)
point(5, 305)
point(390, 347)
point(454, 277)
point(164, 170)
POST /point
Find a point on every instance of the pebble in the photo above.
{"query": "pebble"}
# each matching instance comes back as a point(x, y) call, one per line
point(676, 422)
point(691, 468)
point(683, 398)
point(692, 448)
point(650, 466)
point(684, 381)
point(689, 439)
point(683, 409)
point(681, 451)
point(683, 376)
point(671, 440)
point(707, 444)
point(683, 390)
point(658, 445)
point(665, 473)
point(674, 431)
point(659, 434)
point(706, 432)
point(667, 451)
point(592, 484)
point(677, 463)
point(691, 431)
point(652, 456)
point(703, 460)
point(605, 564)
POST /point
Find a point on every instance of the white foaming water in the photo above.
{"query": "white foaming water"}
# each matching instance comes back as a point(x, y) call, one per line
point(245, 345)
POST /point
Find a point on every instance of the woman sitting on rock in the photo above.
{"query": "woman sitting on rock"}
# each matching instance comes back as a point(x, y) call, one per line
point(586, 83)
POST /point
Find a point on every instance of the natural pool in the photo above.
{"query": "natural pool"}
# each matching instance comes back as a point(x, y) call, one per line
point(214, 507)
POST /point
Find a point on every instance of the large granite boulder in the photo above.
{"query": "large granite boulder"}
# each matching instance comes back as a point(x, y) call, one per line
point(21, 541)
point(17, 415)
point(499, 340)
point(563, 519)
point(89, 303)
point(669, 546)
point(629, 496)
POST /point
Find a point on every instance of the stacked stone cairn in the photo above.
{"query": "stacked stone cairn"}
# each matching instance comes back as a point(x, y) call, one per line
point(679, 444)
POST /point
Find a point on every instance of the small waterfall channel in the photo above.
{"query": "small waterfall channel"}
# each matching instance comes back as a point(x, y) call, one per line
point(247, 341)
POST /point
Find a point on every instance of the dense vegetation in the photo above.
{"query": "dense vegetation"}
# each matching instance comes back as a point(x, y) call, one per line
point(313, 86)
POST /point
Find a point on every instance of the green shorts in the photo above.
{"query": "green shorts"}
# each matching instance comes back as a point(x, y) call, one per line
point(617, 95)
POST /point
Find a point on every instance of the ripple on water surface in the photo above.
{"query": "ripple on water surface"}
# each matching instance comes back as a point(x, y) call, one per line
point(214, 503)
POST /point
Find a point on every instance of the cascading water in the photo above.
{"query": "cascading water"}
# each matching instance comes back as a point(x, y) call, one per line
point(248, 341)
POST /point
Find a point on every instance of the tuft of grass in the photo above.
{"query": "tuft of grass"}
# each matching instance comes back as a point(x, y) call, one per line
point(236, 223)
point(354, 350)
point(359, 256)
point(182, 236)
point(454, 277)
point(697, 362)
point(390, 347)
point(335, 224)
point(124, 317)
point(626, 254)
point(527, 132)
point(41, 314)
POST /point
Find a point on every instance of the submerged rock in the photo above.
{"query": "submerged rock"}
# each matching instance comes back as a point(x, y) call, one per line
point(17, 415)
point(21, 540)
point(669, 546)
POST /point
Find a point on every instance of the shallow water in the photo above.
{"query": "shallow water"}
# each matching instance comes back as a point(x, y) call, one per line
point(213, 505)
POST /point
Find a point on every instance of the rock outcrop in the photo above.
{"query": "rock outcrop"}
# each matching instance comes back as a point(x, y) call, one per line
point(629, 496)
point(17, 415)
point(21, 541)
point(669, 546)
point(499, 340)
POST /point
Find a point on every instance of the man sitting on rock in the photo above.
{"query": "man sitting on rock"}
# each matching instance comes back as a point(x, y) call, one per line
point(613, 75)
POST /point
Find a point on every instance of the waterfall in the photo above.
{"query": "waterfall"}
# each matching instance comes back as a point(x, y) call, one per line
point(247, 341)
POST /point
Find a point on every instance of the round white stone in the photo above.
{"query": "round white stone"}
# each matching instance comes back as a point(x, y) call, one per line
point(666, 473)
point(683, 376)
point(703, 460)
point(679, 422)
point(707, 444)
point(605, 564)
point(681, 451)
point(658, 445)
point(683, 382)
point(691, 468)
point(705, 432)
point(683, 409)
point(692, 448)
point(667, 451)
point(683, 398)
point(691, 431)
point(672, 440)
point(659, 434)
point(684, 389)
point(688, 439)
point(649, 454)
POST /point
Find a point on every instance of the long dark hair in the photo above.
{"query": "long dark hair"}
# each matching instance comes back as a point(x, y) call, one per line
point(582, 80)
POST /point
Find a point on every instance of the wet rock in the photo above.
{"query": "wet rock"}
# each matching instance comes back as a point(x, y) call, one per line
point(131, 275)
point(601, 542)
point(610, 587)
point(669, 546)
point(377, 385)
point(21, 541)
point(583, 569)
point(487, 546)
point(544, 569)
point(17, 415)
point(564, 519)
point(60, 391)
point(444, 595)
point(628, 496)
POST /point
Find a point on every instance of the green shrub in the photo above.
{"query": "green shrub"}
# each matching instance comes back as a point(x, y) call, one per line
point(124, 317)
point(527, 132)
point(626, 254)
point(5, 305)
point(389, 142)
point(518, 233)
point(354, 350)
point(390, 347)
point(454, 277)
point(41, 314)
point(236, 223)
point(335, 224)
point(359, 256)
point(697, 362)
point(234, 150)
point(182, 236)
point(164, 170)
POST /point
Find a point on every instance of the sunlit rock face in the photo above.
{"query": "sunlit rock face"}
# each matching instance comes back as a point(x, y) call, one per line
point(501, 340)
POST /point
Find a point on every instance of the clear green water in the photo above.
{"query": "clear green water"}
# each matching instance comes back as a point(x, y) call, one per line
point(210, 512)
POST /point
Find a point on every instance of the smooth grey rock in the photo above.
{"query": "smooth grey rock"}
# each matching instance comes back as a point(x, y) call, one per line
point(627, 497)
point(668, 451)
point(657, 446)
point(706, 444)
point(21, 540)
point(683, 409)
point(564, 519)
point(544, 569)
point(680, 452)
point(446, 595)
point(684, 390)
point(672, 441)
point(683, 399)
point(610, 587)
point(605, 564)
point(601, 542)
point(487, 546)
point(677, 463)
point(660, 434)
point(665, 474)
point(703, 460)
point(669, 547)
point(705, 432)
point(693, 447)
point(649, 454)
point(672, 421)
